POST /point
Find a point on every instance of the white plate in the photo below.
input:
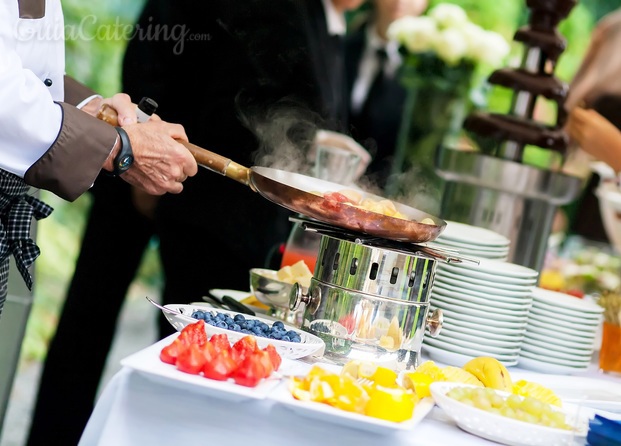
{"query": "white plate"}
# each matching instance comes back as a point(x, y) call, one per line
point(462, 246)
point(554, 353)
point(309, 345)
point(477, 344)
point(476, 309)
point(566, 311)
point(148, 363)
point(560, 321)
point(329, 414)
point(595, 393)
point(488, 332)
point(480, 302)
point(448, 335)
point(548, 367)
point(488, 275)
point(565, 319)
point(495, 267)
point(488, 292)
point(553, 338)
point(574, 363)
point(474, 235)
point(507, 430)
point(517, 324)
point(564, 300)
point(560, 347)
point(472, 351)
point(457, 279)
point(546, 325)
point(489, 286)
point(451, 358)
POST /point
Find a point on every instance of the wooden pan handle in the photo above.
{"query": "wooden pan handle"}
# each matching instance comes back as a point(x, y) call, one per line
point(206, 158)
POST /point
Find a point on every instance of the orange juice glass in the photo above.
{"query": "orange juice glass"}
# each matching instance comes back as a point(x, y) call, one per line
point(291, 256)
point(610, 353)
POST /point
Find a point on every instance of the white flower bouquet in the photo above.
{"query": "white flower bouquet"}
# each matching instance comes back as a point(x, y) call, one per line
point(447, 32)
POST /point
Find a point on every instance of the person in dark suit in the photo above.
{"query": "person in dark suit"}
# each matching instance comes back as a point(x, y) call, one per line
point(274, 76)
point(376, 96)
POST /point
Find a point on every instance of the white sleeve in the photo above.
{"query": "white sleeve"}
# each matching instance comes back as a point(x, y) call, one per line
point(30, 120)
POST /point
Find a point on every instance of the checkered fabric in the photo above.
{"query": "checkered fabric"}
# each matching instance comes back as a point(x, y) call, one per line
point(17, 209)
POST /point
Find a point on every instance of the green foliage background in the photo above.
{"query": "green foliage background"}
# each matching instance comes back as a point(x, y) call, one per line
point(95, 59)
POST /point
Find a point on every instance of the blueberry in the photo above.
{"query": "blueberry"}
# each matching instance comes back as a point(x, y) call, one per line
point(221, 324)
point(278, 324)
point(236, 327)
point(239, 318)
point(296, 339)
point(211, 322)
point(291, 333)
point(220, 316)
point(256, 330)
point(198, 314)
point(275, 335)
point(285, 338)
point(246, 331)
point(264, 326)
point(250, 323)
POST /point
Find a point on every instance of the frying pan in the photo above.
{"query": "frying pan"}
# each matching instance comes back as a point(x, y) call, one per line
point(301, 194)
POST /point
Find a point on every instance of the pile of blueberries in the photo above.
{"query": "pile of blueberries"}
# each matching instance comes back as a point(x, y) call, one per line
point(254, 327)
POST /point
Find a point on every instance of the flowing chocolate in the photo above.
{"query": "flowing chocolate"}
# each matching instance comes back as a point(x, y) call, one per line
point(534, 79)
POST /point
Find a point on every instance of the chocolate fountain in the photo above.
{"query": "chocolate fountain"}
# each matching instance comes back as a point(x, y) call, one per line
point(492, 187)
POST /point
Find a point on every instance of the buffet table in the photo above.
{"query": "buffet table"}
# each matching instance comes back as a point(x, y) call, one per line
point(136, 409)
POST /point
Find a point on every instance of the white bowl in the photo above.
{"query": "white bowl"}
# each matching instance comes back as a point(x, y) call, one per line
point(506, 430)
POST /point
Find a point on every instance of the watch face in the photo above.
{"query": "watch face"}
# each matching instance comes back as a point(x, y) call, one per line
point(125, 162)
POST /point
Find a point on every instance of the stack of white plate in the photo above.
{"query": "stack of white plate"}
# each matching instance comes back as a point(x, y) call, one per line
point(561, 333)
point(485, 308)
point(473, 241)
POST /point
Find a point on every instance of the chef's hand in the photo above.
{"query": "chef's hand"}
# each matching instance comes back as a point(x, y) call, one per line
point(595, 135)
point(161, 163)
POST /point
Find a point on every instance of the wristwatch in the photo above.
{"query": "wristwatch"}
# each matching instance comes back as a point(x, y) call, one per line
point(125, 158)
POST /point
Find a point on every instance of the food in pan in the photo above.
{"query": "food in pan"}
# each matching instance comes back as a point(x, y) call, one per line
point(356, 199)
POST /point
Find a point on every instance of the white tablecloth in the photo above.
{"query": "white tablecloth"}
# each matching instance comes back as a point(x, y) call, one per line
point(136, 410)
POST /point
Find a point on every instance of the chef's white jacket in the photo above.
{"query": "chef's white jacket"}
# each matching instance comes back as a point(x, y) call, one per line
point(43, 139)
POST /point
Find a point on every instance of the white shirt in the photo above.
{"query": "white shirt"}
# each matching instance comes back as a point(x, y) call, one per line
point(337, 26)
point(369, 66)
point(30, 52)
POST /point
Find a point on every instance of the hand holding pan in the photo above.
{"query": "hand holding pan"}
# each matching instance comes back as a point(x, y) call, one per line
point(303, 194)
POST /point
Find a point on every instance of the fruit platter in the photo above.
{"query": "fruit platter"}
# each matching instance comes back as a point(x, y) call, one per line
point(482, 398)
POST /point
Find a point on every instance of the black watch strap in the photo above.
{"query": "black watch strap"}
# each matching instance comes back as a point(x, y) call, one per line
point(125, 158)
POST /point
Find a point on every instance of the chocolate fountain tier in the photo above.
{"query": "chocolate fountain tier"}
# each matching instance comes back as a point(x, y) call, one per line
point(538, 84)
point(546, 14)
point(520, 130)
point(549, 41)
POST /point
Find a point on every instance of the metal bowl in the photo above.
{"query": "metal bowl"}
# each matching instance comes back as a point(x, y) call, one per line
point(266, 287)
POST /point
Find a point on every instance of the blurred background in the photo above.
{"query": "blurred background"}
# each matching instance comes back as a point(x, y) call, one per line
point(96, 62)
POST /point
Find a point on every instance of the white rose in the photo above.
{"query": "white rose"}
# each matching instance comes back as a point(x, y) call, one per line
point(473, 35)
point(417, 34)
point(448, 15)
point(451, 46)
point(492, 49)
